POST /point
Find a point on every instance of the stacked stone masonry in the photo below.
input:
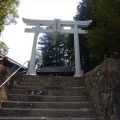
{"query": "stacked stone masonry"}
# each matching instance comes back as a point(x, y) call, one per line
point(103, 85)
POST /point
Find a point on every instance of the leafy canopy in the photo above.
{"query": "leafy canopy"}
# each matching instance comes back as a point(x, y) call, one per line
point(104, 36)
point(8, 12)
point(3, 48)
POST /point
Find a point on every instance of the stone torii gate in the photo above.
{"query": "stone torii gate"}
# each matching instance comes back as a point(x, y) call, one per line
point(56, 25)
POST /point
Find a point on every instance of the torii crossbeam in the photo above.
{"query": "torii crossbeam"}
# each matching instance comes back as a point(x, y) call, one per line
point(56, 25)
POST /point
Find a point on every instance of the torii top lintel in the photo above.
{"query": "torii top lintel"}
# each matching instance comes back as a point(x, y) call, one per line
point(66, 23)
point(56, 25)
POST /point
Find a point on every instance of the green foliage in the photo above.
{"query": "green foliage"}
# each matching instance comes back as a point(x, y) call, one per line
point(54, 49)
point(3, 48)
point(83, 11)
point(104, 36)
point(8, 12)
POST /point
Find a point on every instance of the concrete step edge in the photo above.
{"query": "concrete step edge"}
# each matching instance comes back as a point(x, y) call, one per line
point(45, 102)
point(44, 95)
point(44, 87)
point(54, 90)
point(43, 118)
point(81, 109)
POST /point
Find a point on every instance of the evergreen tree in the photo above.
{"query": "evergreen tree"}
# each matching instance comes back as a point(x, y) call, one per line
point(54, 50)
point(70, 47)
point(104, 36)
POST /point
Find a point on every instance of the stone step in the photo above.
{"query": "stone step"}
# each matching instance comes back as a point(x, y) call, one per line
point(47, 98)
point(46, 105)
point(83, 112)
point(40, 98)
point(49, 88)
point(56, 84)
point(50, 92)
point(44, 118)
point(53, 81)
point(29, 78)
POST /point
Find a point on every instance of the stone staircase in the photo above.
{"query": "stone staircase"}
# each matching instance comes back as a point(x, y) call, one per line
point(48, 98)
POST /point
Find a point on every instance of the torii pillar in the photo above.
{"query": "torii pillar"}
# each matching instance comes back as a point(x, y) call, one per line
point(78, 71)
point(56, 27)
point(31, 66)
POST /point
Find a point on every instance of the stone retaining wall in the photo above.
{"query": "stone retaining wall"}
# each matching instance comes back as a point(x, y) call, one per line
point(4, 74)
point(103, 85)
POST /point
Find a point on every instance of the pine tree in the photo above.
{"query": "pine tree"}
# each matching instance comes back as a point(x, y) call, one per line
point(54, 50)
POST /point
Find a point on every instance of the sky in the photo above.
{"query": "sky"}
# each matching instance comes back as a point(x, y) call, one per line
point(19, 42)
